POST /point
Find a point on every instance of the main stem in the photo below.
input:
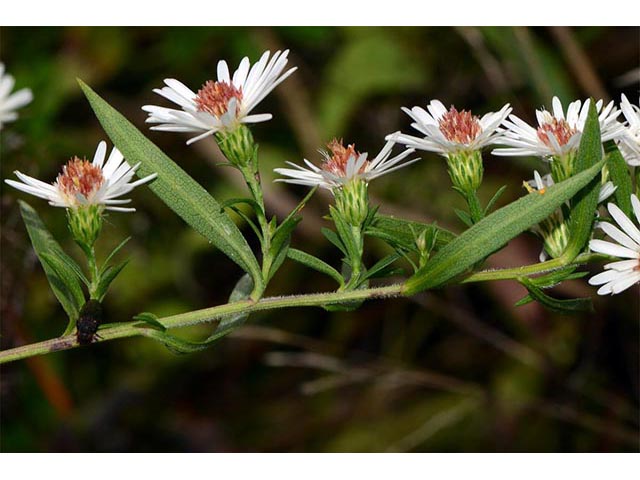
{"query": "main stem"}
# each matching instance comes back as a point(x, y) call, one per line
point(133, 329)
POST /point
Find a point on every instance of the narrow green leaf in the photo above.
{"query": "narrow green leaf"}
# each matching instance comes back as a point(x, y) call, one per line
point(174, 186)
point(296, 210)
point(381, 267)
point(234, 201)
point(113, 254)
point(108, 276)
point(334, 239)
point(585, 202)
point(280, 244)
point(464, 217)
point(494, 231)
point(565, 307)
point(494, 199)
point(63, 280)
point(71, 264)
point(402, 233)
point(148, 319)
point(315, 263)
point(620, 176)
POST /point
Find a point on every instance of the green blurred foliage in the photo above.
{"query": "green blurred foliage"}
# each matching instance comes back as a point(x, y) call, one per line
point(460, 369)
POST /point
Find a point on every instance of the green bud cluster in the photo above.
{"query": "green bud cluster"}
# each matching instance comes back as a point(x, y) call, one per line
point(554, 233)
point(238, 146)
point(465, 170)
point(85, 224)
point(352, 202)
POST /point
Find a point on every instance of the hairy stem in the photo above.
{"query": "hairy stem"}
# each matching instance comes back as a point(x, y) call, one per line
point(526, 270)
point(199, 316)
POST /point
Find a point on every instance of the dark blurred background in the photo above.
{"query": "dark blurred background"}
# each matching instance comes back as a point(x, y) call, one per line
point(459, 369)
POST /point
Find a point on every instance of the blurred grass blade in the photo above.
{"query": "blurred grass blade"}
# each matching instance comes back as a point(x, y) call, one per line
point(494, 231)
point(63, 280)
point(174, 186)
point(620, 176)
point(585, 203)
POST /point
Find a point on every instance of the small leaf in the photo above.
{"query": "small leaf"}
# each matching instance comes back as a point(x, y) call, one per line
point(494, 199)
point(381, 268)
point(108, 276)
point(62, 279)
point(175, 187)
point(464, 217)
point(113, 254)
point(148, 319)
point(315, 263)
point(494, 231)
point(334, 239)
point(620, 176)
point(555, 305)
point(235, 201)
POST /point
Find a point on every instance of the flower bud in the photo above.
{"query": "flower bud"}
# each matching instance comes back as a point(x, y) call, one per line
point(85, 223)
point(352, 201)
point(238, 146)
point(465, 170)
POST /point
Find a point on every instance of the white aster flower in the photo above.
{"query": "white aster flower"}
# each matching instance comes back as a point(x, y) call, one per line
point(10, 102)
point(222, 104)
point(451, 131)
point(343, 164)
point(557, 134)
point(629, 142)
point(620, 275)
point(84, 183)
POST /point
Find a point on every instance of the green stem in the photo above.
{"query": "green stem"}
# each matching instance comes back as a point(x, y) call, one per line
point(475, 209)
point(133, 329)
point(251, 177)
point(513, 273)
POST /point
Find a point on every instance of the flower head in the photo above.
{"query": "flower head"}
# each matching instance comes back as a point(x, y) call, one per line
point(451, 131)
point(223, 104)
point(343, 164)
point(630, 140)
point(557, 134)
point(620, 275)
point(10, 102)
point(84, 183)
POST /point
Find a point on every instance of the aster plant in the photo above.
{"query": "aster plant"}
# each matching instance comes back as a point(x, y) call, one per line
point(590, 153)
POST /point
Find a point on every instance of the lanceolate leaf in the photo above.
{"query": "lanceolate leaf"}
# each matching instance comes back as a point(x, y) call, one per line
point(584, 204)
point(174, 186)
point(494, 231)
point(63, 280)
point(620, 176)
point(315, 263)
